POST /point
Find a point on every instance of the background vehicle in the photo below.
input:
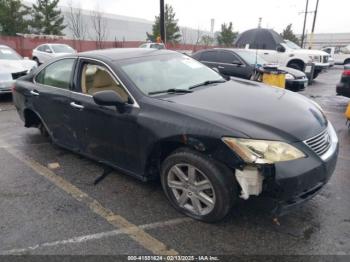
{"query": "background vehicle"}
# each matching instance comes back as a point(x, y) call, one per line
point(154, 113)
point(339, 57)
point(153, 45)
point(343, 88)
point(270, 45)
point(45, 52)
point(242, 63)
point(12, 66)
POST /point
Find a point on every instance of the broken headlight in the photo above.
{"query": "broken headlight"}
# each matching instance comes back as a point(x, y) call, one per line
point(263, 151)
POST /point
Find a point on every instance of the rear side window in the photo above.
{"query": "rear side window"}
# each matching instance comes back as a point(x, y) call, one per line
point(209, 56)
point(57, 74)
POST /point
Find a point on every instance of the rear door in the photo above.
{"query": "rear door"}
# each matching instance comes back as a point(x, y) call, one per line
point(209, 58)
point(51, 97)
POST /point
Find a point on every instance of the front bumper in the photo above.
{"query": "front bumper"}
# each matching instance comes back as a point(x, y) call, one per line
point(296, 84)
point(321, 66)
point(298, 181)
point(6, 86)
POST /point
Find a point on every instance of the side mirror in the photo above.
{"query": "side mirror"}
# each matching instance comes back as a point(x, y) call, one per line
point(281, 49)
point(108, 98)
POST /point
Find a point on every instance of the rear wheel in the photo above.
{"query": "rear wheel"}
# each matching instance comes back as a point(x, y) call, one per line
point(198, 187)
point(296, 65)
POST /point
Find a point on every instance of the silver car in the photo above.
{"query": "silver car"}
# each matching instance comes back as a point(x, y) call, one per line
point(45, 52)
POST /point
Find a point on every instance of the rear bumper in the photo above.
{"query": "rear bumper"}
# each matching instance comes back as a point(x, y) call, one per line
point(343, 89)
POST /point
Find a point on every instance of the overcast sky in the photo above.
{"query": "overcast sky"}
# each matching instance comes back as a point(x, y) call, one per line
point(333, 15)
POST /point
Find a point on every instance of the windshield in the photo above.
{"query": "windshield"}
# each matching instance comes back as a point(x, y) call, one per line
point(62, 49)
point(163, 72)
point(157, 46)
point(9, 54)
point(290, 44)
point(251, 57)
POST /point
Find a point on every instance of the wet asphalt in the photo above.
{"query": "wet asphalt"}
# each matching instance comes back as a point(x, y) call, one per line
point(38, 217)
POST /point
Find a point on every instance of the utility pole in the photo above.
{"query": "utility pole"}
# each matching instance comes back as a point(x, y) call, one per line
point(162, 21)
point(305, 18)
point(313, 26)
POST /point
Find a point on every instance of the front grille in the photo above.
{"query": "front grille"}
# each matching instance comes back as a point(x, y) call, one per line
point(18, 74)
point(320, 143)
point(325, 59)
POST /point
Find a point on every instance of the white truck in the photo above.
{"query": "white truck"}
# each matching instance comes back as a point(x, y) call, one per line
point(340, 55)
point(291, 55)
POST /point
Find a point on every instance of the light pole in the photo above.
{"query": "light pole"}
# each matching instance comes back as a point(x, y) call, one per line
point(303, 35)
point(162, 21)
point(313, 26)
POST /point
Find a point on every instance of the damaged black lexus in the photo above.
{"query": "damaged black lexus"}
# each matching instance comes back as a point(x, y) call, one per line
point(159, 113)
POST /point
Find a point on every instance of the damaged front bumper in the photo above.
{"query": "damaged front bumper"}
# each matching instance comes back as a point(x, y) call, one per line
point(290, 183)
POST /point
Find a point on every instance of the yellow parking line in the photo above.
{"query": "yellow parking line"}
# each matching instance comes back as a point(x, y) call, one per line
point(135, 232)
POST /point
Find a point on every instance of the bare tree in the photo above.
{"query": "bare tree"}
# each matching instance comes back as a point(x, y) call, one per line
point(198, 38)
point(99, 27)
point(184, 35)
point(75, 22)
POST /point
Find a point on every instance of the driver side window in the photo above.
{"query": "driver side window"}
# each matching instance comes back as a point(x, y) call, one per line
point(96, 78)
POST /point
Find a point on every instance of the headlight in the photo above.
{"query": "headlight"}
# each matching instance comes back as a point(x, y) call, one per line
point(290, 77)
point(262, 151)
point(315, 58)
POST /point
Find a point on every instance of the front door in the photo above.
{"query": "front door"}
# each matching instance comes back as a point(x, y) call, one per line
point(110, 135)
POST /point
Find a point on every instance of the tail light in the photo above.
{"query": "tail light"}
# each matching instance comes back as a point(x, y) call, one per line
point(13, 88)
point(346, 73)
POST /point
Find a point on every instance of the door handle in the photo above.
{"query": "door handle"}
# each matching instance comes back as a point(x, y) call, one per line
point(73, 104)
point(34, 93)
point(266, 53)
point(221, 67)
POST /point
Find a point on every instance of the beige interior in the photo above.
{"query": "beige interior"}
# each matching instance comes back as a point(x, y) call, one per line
point(96, 78)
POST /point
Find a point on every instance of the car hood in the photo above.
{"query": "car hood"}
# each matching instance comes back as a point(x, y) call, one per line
point(254, 109)
point(15, 66)
point(311, 52)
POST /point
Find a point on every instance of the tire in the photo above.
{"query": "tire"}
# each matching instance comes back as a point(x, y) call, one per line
point(316, 73)
point(297, 66)
point(36, 60)
point(219, 194)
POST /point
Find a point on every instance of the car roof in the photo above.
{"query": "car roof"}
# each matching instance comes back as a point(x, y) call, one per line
point(114, 54)
point(5, 46)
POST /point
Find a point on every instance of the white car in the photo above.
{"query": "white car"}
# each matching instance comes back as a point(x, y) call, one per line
point(291, 55)
point(45, 52)
point(12, 66)
point(153, 45)
point(341, 56)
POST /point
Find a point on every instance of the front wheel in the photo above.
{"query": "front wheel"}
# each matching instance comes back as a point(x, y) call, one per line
point(198, 187)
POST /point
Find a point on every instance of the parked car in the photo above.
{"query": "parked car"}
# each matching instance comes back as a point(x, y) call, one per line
point(45, 52)
point(158, 113)
point(243, 64)
point(274, 49)
point(12, 66)
point(153, 45)
point(336, 53)
point(343, 88)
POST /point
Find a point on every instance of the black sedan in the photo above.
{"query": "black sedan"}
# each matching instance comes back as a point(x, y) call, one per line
point(158, 113)
point(243, 64)
point(343, 88)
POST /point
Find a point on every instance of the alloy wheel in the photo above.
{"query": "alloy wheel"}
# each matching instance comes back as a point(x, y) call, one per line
point(191, 188)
